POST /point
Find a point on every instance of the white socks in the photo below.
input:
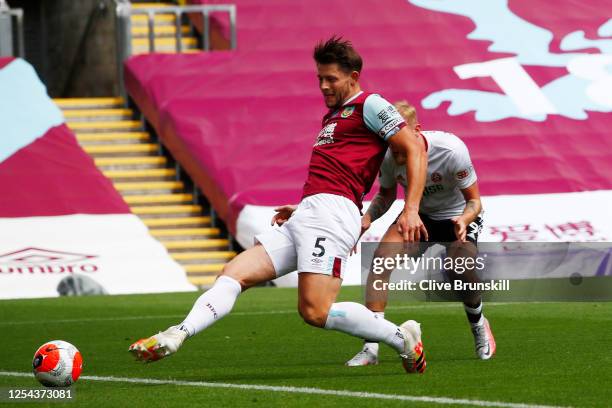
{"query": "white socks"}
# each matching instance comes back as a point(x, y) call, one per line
point(215, 303)
point(355, 319)
point(372, 346)
point(348, 317)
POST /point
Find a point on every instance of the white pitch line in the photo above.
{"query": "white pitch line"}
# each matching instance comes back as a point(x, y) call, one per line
point(263, 312)
point(303, 390)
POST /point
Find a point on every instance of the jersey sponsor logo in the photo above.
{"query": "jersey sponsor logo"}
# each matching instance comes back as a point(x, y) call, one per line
point(429, 190)
point(326, 135)
point(436, 177)
point(584, 86)
point(348, 111)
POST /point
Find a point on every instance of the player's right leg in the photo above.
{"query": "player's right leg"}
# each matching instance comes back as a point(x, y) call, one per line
point(317, 306)
point(249, 268)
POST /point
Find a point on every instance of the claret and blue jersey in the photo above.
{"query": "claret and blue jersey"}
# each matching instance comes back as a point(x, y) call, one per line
point(350, 147)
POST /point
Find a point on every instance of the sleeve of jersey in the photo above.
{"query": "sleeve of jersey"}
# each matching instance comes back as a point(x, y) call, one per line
point(463, 170)
point(381, 117)
point(386, 178)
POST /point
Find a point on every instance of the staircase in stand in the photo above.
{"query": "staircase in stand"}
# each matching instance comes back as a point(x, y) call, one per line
point(128, 156)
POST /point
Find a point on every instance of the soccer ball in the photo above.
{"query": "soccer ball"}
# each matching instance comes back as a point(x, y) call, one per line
point(57, 364)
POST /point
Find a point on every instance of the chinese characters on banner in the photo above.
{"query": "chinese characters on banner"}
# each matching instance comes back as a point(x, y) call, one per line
point(576, 231)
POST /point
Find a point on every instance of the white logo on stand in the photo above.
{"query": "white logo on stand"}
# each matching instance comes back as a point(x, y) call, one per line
point(37, 260)
point(586, 87)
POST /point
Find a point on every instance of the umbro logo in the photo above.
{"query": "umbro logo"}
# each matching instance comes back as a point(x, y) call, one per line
point(38, 255)
point(33, 260)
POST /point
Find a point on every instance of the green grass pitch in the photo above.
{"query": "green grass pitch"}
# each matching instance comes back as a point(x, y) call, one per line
point(547, 353)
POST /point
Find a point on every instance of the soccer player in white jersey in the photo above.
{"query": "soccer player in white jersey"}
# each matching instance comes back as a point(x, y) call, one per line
point(316, 241)
point(451, 211)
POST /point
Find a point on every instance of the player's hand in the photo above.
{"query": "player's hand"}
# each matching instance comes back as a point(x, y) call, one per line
point(283, 213)
point(366, 221)
point(410, 226)
point(460, 228)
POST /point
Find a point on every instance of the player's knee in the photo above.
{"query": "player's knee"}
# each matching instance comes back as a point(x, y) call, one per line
point(393, 249)
point(230, 271)
point(463, 249)
point(314, 316)
point(385, 251)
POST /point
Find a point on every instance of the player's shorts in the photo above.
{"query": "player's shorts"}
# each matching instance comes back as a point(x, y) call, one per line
point(444, 230)
point(317, 238)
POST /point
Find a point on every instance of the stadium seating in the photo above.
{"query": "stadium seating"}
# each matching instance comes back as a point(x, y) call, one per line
point(155, 188)
point(127, 155)
point(164, 31)
point(242, 122)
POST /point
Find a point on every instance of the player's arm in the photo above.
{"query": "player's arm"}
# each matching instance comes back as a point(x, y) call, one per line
point(381, 203)
point(473, 208)
point(465, 175)
point(409, 223)
point(383, 119)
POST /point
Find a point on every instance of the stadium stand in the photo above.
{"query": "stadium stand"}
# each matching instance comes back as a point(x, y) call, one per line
point(164, 32)
point(126, 154)
point(151, 183)
point(243, 126)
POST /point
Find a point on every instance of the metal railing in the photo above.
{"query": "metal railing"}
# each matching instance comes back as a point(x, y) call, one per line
point(125, 11)
point(95, 16)
point(7, 15)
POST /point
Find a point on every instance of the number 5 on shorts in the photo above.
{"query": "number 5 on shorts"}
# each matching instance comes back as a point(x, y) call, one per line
point(320, 247)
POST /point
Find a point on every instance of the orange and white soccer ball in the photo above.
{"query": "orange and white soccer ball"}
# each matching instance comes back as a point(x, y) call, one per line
point(57, 364)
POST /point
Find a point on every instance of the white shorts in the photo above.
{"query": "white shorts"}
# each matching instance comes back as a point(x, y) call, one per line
point(317, 238)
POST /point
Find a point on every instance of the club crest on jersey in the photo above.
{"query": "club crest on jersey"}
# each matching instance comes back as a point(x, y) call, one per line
point(348, 111)
point(436, 177)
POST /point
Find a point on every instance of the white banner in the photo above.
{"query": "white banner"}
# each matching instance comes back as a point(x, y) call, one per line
point(84, 254)
point(563, 217)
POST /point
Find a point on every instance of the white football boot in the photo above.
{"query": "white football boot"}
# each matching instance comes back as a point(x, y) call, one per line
point(158, 346)
point(413, 357)
point(484, 340)
point(365, 357)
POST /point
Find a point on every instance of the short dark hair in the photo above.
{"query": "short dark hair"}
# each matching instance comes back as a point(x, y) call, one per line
point(338, 51)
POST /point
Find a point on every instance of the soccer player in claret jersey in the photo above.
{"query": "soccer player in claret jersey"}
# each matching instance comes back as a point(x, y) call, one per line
point(452, 213)
point(318, 237)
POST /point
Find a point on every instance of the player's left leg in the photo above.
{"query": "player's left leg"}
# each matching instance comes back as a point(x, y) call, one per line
point(484, 341)
point(317, 306)
point(244, 271)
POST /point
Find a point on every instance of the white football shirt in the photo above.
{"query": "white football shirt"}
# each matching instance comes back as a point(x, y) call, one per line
point(449, 170)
